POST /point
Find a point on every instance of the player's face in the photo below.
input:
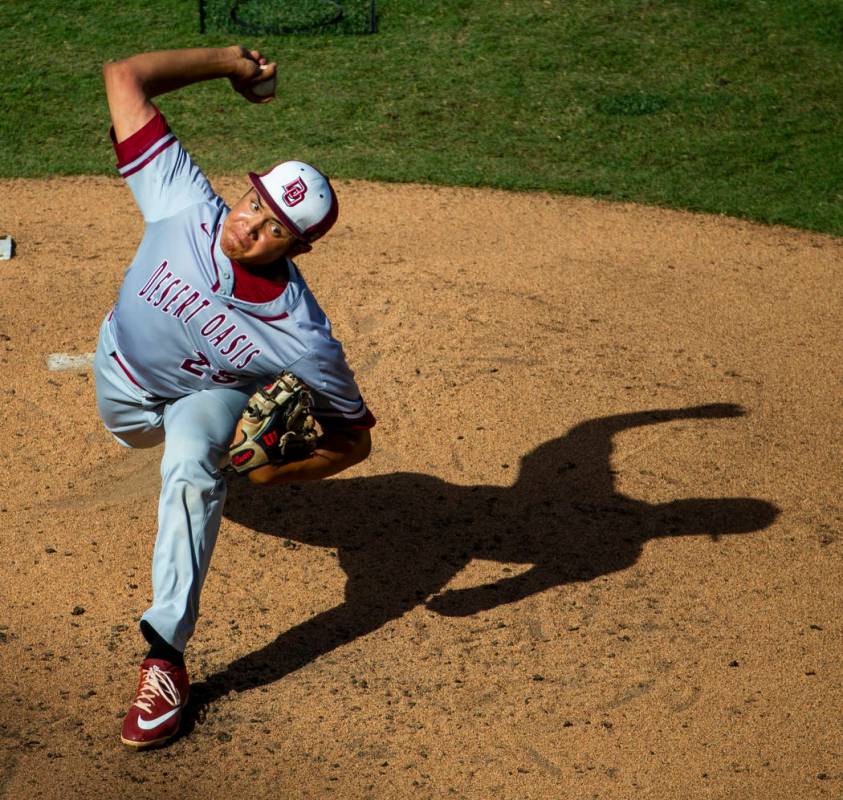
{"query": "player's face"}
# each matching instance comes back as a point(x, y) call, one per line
point(252, 235)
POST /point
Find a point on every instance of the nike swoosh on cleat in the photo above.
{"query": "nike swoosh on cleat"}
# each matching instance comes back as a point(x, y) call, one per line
point(149, 724)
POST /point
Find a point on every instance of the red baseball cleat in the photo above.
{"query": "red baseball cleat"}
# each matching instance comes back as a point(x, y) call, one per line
point(155, 714)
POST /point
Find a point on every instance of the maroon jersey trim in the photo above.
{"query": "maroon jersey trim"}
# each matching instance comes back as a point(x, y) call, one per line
point(140, 141)
point(277, 317)
point(255, 288)
point(128, 373)
point(149, 158)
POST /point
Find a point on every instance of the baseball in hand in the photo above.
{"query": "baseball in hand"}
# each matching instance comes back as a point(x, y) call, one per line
point(264, 88)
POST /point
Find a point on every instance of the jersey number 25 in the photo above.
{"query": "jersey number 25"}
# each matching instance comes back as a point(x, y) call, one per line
point(198, 366)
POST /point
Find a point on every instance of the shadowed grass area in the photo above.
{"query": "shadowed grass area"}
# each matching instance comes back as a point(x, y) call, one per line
point(731, 106)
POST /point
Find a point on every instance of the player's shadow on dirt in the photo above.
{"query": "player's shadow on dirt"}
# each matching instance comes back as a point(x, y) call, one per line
point(401, 538)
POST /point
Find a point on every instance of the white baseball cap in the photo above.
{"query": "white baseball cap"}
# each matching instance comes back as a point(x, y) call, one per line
point(300, 196)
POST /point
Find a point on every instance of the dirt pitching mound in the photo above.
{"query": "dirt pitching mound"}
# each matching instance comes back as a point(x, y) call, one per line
point(595, 551)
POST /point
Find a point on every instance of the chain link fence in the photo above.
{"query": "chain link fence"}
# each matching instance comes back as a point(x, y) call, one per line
point(283, 17)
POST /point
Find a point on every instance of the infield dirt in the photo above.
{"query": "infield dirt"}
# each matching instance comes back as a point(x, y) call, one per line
point(596, 551)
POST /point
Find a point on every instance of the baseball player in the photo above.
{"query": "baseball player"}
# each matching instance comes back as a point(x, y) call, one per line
point(210, 308)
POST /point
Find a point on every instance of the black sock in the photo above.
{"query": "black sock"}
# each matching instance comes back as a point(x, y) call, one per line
point(158, 647)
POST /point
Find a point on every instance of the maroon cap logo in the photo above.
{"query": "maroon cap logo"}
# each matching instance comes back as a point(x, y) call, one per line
point(294, 192)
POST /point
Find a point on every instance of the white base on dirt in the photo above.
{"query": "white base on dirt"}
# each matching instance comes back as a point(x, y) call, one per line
point(60, 361)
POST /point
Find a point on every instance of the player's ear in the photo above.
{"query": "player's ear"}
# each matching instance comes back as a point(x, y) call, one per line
point(300, 248)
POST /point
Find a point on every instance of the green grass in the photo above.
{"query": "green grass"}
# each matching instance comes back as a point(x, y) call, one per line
point(727, 106)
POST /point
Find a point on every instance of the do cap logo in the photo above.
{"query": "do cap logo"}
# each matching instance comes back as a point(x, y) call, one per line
point(294, 192)
point(300, 196)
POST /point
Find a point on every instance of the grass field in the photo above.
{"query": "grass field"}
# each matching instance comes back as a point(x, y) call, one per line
point(728, 106)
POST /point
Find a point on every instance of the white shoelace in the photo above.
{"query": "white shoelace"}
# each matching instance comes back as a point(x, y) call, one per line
point(156, 683)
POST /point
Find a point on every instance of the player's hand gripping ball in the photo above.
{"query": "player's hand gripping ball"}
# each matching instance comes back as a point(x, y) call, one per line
point(266, 88)
point(277, 426)
point(252, 76)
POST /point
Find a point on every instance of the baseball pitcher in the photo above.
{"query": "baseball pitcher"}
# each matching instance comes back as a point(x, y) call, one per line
point(215, 347)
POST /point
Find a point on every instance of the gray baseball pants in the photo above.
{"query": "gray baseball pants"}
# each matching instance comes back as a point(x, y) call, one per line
point(196, 430)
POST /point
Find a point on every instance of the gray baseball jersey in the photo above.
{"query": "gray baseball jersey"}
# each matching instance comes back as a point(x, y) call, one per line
point(178, 326)
point(178, 353)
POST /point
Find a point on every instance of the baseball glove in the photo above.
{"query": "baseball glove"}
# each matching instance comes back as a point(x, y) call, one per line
point(277, 425)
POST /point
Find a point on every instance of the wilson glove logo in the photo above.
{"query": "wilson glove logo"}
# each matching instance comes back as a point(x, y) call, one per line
point(270, 439)
point(294, 192)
